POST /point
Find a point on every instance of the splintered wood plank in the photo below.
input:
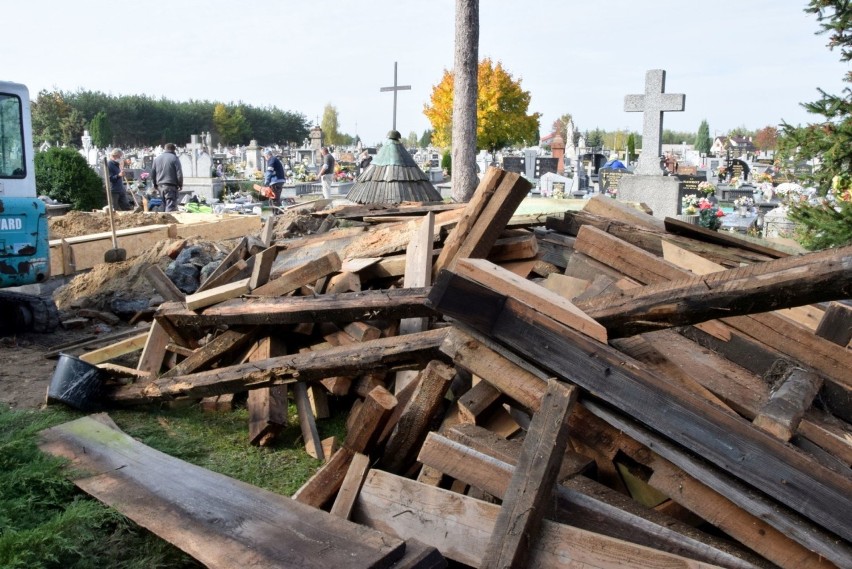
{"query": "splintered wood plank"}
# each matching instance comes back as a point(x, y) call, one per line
point(267, 406)
point(401, 352)
point(225, 343)
point(219, 521)
point(154, 351)
point(218, 294)
point(238, 253)
point(313, 442)
point(529, 490)
point(120, 348)
point(414, 423)
point(418, 273)
point(528, 292)
point(262, 267)
point(351, 485)
point(267, 231)
point(163, 284)
point(713, 433)
point(228, 275)
point(301, 275)
point(410, 509)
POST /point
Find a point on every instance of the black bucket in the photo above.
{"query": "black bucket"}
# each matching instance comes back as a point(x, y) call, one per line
point(76, 383)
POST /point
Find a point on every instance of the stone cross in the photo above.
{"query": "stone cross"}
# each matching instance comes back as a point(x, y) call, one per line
point(653, 103)
point(395, 88)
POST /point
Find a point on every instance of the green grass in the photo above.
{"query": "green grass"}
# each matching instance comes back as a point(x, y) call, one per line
point(45, 521)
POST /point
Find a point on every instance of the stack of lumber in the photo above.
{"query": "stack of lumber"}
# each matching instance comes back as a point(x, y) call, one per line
point(596, 389)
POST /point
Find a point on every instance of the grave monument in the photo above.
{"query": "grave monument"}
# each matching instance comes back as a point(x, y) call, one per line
point(197, 167)
point(648, 185)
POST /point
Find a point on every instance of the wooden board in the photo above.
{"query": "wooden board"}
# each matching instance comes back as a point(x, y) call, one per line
point(413, 510)
point(220, 521)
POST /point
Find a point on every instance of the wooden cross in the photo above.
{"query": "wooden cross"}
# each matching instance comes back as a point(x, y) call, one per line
point(653, 103)
point(395, 88)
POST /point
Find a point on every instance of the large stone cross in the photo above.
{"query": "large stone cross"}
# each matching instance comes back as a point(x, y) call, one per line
point(653, 103)
point(395, 88)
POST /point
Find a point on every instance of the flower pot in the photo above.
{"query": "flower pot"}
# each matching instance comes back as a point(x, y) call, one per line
point(743, 211)
point(689, 218)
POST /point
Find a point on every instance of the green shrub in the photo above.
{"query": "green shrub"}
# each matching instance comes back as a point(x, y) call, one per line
point(447, 162)
point(62, 174)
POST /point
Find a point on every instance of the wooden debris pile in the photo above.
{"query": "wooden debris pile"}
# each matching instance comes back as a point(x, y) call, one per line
point(597, 390)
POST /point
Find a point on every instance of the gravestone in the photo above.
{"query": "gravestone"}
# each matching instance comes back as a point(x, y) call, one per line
point(648, 186)
point(253, 162)
point(514, 164)
point(530, 155)
point(185, 164)
point(544, 165)
point(610, 179)
point(689, 183)
point(740, 169)
point(554, 185)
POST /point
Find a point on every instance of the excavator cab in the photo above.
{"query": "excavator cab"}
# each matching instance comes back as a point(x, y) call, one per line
point(24, 240)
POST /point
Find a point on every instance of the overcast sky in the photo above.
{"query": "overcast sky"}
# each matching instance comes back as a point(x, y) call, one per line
point(739, 62)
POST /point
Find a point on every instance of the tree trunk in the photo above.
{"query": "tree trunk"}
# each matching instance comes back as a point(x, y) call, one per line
point(464, 100)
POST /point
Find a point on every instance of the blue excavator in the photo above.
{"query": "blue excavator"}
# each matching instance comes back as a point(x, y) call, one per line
point(24, 240)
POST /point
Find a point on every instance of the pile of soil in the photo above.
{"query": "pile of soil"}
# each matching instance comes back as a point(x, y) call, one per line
point(77, 223)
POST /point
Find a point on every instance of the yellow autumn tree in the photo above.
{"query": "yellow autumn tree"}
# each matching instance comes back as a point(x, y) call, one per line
point(501, 110)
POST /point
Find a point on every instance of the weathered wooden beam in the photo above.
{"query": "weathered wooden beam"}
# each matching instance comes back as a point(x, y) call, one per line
point(784, 283)
point(413, 510)
point(163, 284)
point(345, 307)
point(120, 348)
point(414, 422)
point(300, 275)
point(220, 521)
point(561, 309)
point(211, 352)
point(529, 489)
point(493, 470)
point(469, 217)
point(769, 528)
point(385, 353)
point(836, 324)
point(217, 294)
point(698, 425)
point(351, 485)
point(313, 443)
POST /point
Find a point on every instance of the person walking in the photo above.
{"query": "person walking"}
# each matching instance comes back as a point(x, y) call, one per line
point(168, 176)
point(326, 172)
point(274, 176)
point(116, 182)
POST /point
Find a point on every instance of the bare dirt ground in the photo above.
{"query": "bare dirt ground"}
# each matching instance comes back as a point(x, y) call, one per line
point(25, 373)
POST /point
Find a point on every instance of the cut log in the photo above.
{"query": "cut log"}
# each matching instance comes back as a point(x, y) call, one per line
point(477, 401)
point(836, 324)
point(220, 521)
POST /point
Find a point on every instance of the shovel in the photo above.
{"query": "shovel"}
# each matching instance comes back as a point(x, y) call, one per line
point(114, 255)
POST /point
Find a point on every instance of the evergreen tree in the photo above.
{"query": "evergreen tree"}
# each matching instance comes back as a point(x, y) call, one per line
point(829, 222)
point(702, 139)
point(100, 131)
point(631, 147)
point(330, 125)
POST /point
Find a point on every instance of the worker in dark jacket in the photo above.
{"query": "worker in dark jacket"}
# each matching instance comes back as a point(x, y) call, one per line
point(118, 194)
point(168, 176)
point(274, 176)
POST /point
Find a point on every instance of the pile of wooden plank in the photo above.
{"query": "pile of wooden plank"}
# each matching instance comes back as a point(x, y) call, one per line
point(598, 389)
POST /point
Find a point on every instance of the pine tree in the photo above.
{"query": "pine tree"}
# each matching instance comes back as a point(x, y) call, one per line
point(702, 139)
point(829, 222)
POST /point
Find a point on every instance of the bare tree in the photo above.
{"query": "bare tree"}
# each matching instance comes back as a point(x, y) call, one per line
point(464, 100)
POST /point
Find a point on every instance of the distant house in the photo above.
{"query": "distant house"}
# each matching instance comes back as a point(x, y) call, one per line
point(739, 145)
point(547, 139)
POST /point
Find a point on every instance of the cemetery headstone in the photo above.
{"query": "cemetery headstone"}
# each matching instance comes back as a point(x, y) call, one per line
point(740, 169)
point(514, 164)
point(546, 164)
point(610, 178)
point(648, 186)
point(530, 155)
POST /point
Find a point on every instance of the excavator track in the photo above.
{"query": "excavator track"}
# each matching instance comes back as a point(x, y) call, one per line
point(20, 312)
